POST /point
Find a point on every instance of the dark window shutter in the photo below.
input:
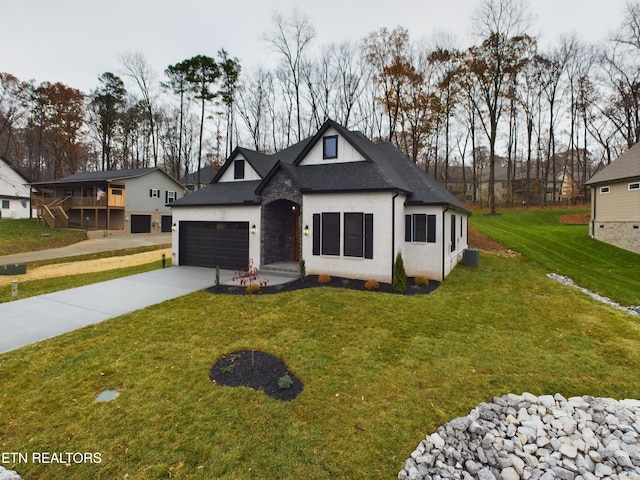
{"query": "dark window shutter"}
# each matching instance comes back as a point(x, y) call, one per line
point(151, 192)
point(431, 228)
point(368, 235)
point(331, 233)
point(316, 234)
point(407, 228)
point(453, 233)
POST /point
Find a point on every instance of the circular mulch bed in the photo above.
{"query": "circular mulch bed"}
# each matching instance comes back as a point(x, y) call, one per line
point(311, 281)
point(235, 370)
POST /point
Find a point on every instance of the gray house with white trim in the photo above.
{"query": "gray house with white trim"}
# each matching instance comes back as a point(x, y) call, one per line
point(130, 200)
point(337, 200)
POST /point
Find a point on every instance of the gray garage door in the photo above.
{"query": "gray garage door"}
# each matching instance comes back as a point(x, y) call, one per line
point(211, 244)
point(140, 223)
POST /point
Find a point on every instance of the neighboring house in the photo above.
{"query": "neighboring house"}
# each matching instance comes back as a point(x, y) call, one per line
point(191, 181)
point(343, 204)
point(14, 192)
point(567, 188)
point(133, 201)
point(615, 202)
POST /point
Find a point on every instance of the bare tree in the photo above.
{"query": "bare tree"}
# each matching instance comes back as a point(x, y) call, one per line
point(502, 24)
point(290, 38)
point(136, 67)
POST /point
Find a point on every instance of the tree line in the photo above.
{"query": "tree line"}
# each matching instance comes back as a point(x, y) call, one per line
point(460, 113)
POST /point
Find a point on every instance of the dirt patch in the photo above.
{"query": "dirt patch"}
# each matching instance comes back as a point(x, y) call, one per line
point(87, 266)
point(576, 218)
point(485, 244)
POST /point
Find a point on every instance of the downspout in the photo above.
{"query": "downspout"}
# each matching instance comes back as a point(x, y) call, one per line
point(593, 215)
point(393, 232)
point(444, 246)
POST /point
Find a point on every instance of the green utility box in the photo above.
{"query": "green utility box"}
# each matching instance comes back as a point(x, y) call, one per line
point(17, 269)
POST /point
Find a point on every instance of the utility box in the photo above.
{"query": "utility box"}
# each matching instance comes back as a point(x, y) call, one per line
point(471, 257)
point(17, 269)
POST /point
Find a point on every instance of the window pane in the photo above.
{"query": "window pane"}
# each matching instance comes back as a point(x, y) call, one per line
point(330, 147)
point(420, 227)
point(238, 169)
point(331, 234)
point(353, 235)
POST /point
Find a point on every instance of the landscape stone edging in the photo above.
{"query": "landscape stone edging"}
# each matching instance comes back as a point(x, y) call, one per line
point(8, 474)
point(633, 310)
point(524, 437)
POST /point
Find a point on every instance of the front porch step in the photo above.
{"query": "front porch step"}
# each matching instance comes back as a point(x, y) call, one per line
point(281, 267)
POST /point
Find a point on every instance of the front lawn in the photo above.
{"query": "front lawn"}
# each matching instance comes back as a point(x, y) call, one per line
point(566, 249)
point(379, 371)
point(25, 235)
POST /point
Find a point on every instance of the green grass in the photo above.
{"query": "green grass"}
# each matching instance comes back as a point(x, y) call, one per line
point(380, 372)
point(25, 235)
point(568, 250)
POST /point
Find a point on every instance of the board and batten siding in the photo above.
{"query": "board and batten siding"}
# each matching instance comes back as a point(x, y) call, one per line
point(249, 172)
point(346, 153)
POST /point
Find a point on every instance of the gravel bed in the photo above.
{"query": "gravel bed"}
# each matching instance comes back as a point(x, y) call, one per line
point(634, 309)
point(524, 437)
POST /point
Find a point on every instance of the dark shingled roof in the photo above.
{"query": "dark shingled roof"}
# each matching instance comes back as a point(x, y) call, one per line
point(384, 168)
point(222, 193)
point(107, 175)
point(627, 166)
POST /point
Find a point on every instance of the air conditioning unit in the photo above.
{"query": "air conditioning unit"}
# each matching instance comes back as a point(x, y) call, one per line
point(471, 257)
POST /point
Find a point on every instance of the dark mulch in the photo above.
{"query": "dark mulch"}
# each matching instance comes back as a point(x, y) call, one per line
point(311, 281)
point(235, 370)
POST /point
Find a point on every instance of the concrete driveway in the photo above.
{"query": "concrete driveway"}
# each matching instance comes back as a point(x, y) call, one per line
point(34, 319)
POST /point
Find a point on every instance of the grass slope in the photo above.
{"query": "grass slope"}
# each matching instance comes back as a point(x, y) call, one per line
point(25, 235)
point(380, 372)
point(568, 250)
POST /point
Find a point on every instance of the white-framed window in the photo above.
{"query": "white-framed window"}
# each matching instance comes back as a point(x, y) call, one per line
point(169, 196)
point(5, 204)
point(605, 189)
point(154, 193)
point(634, 186)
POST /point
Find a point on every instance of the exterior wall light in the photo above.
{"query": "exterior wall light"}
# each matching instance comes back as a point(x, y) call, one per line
point(174, 227)
point(253, 229)
point(306, 230)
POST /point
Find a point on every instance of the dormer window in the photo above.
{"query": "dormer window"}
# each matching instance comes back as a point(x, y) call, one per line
point(238, 169)
point(330, 147)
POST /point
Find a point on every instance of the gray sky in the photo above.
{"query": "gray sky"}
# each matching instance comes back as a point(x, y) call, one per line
point(74, 41)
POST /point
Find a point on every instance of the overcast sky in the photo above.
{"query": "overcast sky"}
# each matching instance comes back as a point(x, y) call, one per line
point(74, 41)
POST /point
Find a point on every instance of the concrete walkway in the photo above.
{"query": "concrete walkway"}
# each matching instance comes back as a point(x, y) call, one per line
point(85, 247)
point(33, 319)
